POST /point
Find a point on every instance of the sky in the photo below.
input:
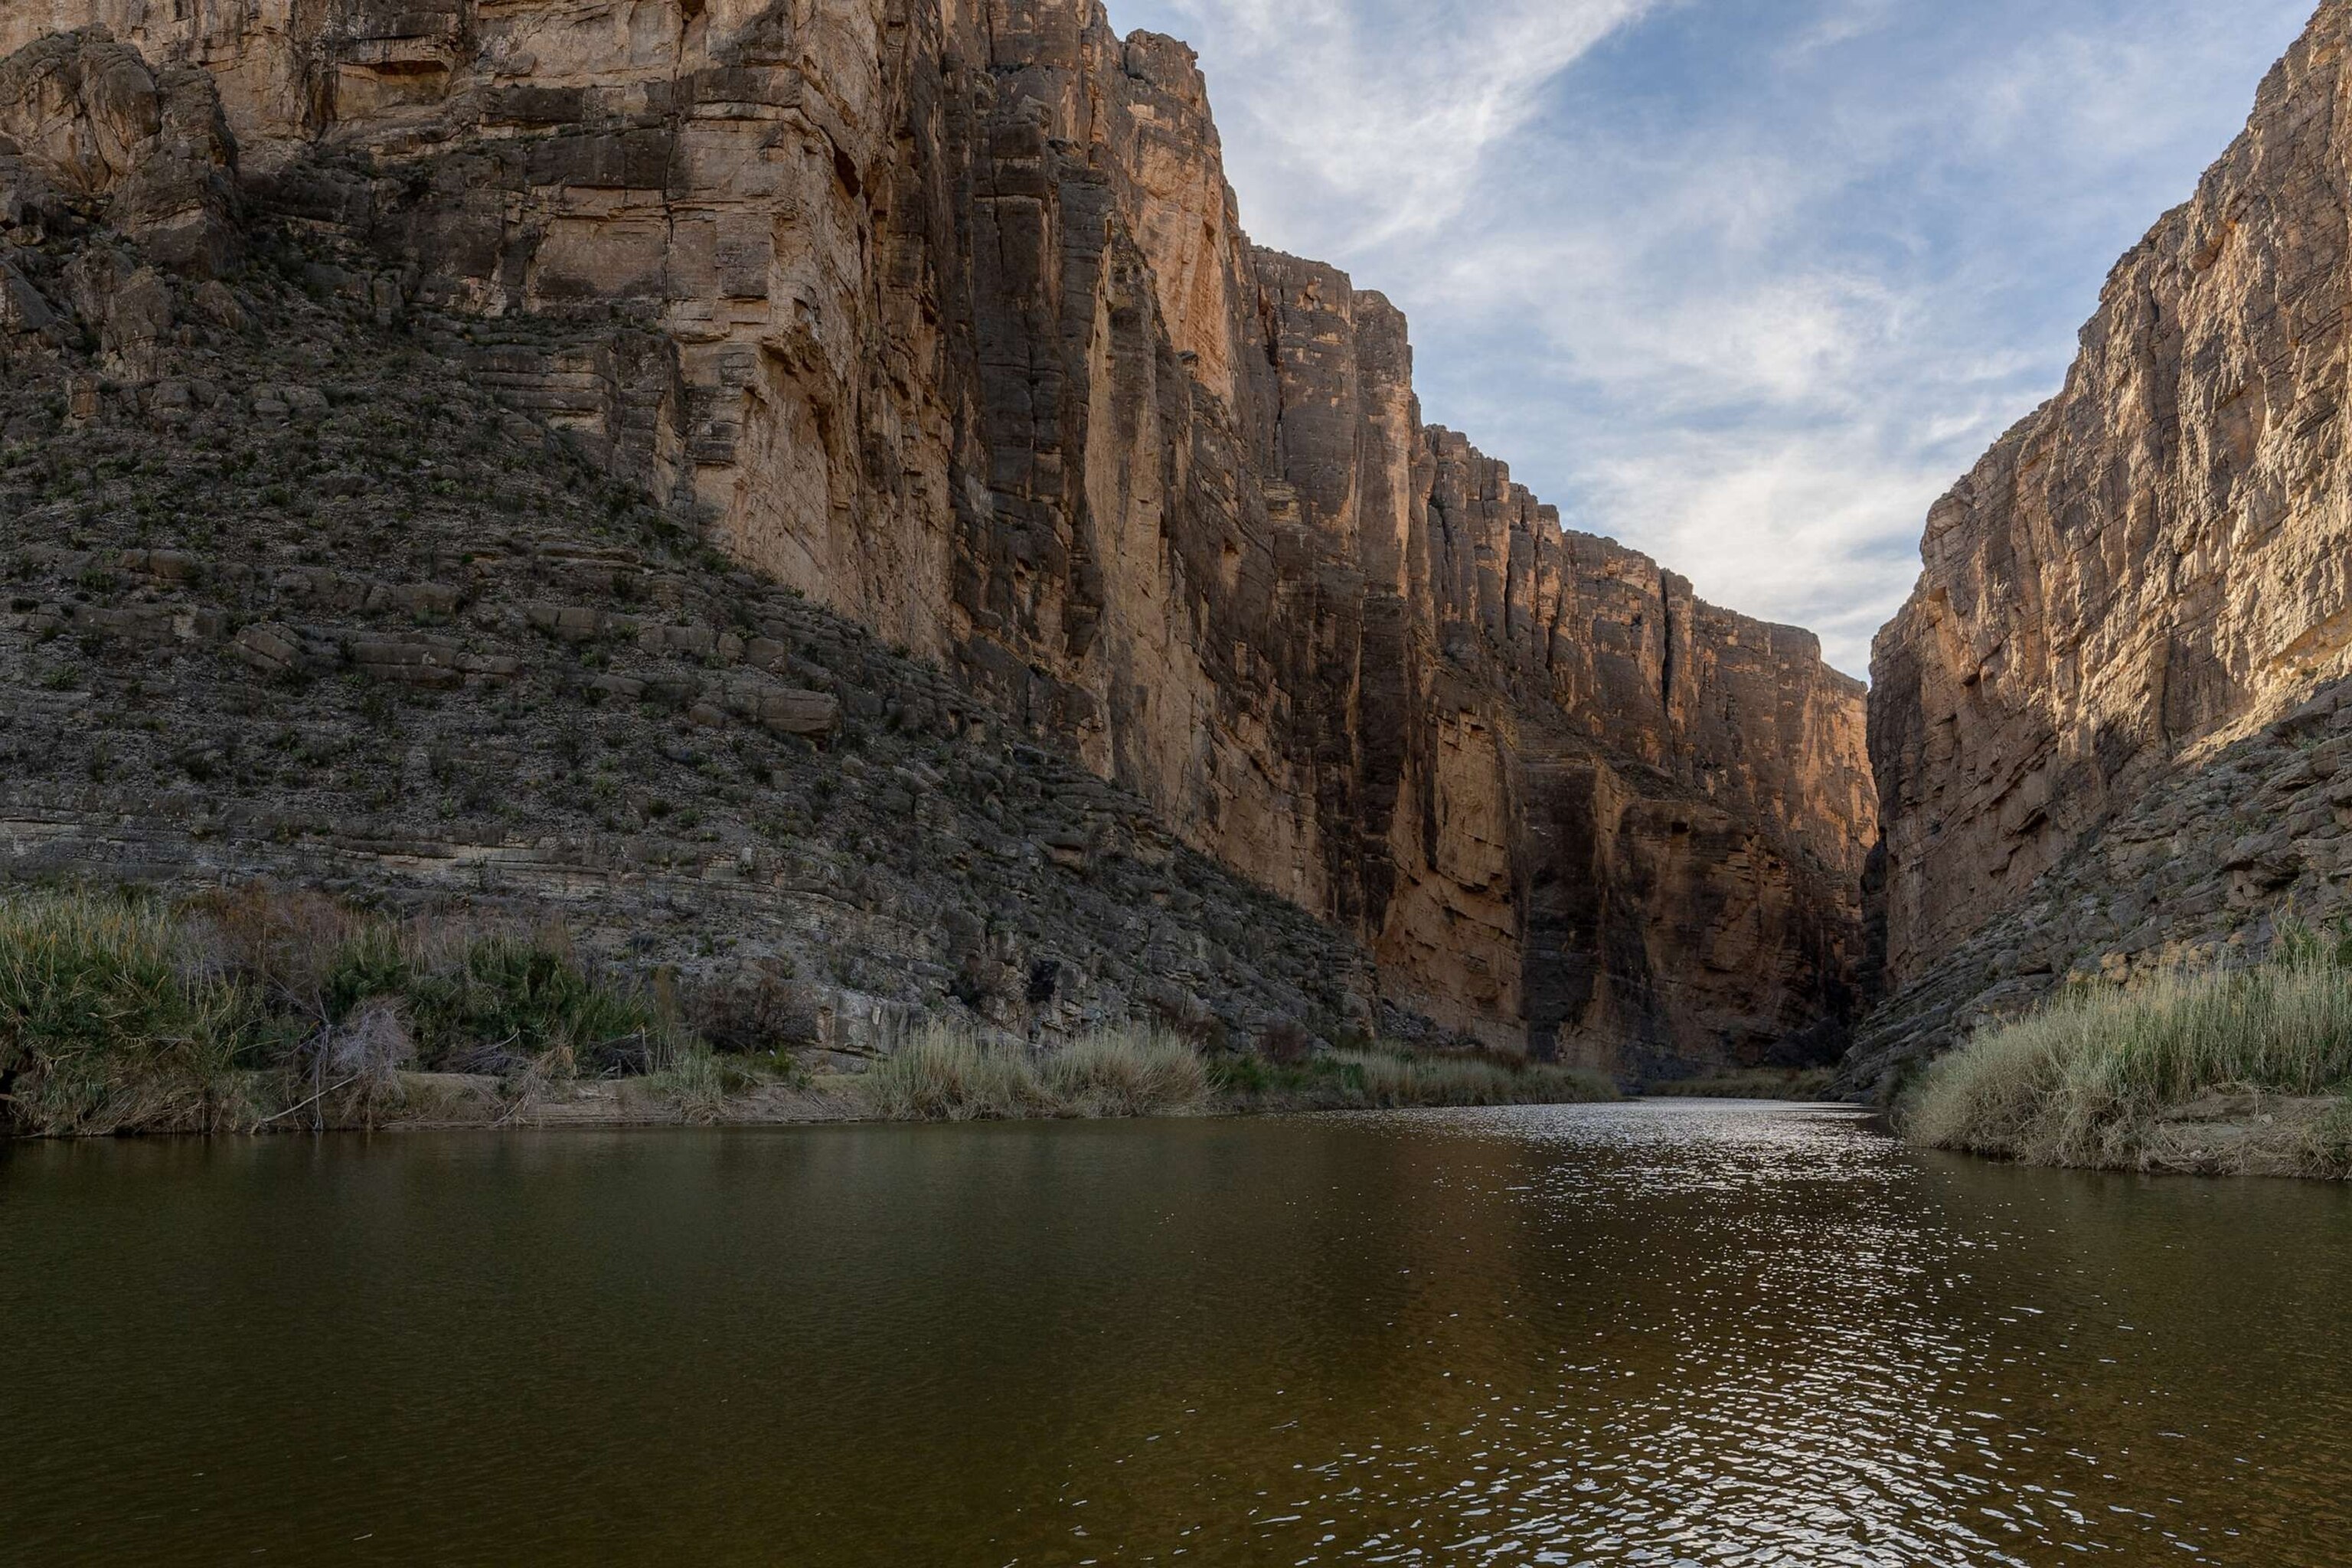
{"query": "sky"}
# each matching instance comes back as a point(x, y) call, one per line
point(1746, 284)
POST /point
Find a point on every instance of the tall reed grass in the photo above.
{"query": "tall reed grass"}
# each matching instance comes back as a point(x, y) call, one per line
point(945, 1074)
point(2082, 1080)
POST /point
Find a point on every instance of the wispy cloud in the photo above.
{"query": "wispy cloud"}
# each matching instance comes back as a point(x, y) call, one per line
point(1364, 122)
point(1746, 283)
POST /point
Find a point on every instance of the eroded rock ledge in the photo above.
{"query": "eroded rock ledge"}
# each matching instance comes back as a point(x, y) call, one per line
point(941, 313)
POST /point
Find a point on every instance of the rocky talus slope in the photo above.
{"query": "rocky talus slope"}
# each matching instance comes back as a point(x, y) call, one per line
point(940, 314)
point(2105, 728)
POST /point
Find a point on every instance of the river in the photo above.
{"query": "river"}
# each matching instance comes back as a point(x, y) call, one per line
point(1648, 1333)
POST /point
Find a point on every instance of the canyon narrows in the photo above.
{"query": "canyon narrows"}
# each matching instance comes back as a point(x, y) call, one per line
point(941, 316)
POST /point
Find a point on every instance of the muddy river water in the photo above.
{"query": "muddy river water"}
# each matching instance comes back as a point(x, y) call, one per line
point(1648, 1333)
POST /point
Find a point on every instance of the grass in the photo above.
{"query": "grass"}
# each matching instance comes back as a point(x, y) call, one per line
point(103, 1025)
point(265, 1008)
point(2087, 1081)
point(1754, 1083)
point(944, 1073)
point(1394, 1078)
point(1130, 1070)
point(701, 1083)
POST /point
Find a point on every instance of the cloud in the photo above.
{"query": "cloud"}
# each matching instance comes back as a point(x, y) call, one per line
point(1744, 285)
point(1371, 117)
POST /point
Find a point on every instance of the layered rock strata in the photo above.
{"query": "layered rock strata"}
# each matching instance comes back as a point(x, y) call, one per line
point(941, 314)
point(2140, 577)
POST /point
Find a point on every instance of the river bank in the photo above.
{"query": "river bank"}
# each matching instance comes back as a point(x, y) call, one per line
point(429, 1101)
point(2244, 1072)
point(263, 1011)
point(1795, 1085)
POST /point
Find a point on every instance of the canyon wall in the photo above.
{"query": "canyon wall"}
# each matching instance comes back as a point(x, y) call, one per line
point(941, 312)
point(2135, 595)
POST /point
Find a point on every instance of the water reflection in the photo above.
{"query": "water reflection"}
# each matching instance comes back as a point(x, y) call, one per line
point(1642, 1334)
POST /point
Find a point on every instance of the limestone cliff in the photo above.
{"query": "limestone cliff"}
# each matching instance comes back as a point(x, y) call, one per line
point(941, 312)
point(2139, 578)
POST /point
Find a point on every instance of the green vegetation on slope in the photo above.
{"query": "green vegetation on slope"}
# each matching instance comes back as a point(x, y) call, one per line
point(243, 1010)
point(396, 637)
point(2224, 1070)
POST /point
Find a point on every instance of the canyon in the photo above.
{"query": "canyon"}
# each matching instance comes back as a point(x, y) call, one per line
point(2109, 726)
point(934, 322)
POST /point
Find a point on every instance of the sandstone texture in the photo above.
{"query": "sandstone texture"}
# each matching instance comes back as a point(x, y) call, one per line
point(2094, 728)
point(940, 314)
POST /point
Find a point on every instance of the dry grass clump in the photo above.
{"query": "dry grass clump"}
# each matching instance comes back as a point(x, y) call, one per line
point(945, 1074)
point(2084, 1082)
point(1132, 1070)
point(700, 1083)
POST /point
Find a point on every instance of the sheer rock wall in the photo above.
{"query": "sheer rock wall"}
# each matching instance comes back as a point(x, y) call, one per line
point(941, 312)
point(2136, 581)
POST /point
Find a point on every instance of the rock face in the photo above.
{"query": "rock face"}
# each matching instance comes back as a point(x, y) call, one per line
point(81, 117)
point(2141, 576)
point(941, 312)
point(308, 605)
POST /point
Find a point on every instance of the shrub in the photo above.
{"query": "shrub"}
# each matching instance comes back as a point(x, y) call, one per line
point(700, 1083)
point(132, 1013)
point(525, 997)
point(759, 1008)
point(1284, 1043)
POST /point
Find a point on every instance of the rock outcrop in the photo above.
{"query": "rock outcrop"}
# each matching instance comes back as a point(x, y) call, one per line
point(940, 313)
point(83, 117)
point(2069, 718)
